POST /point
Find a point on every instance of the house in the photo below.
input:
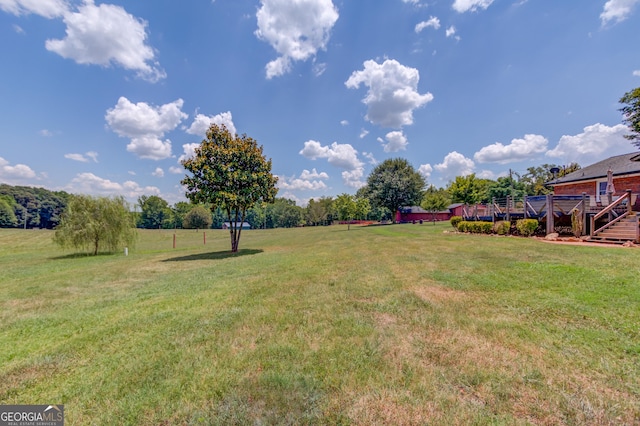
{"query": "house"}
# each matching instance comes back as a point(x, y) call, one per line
point(592, 179)
point(416, 214)
point(227, 225)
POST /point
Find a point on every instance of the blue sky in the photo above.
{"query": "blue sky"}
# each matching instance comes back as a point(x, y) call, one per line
point(106, 97)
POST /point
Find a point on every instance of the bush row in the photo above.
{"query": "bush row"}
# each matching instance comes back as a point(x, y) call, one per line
point(524, 227)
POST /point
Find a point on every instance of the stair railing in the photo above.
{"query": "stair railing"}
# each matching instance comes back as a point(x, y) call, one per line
point(608, 209)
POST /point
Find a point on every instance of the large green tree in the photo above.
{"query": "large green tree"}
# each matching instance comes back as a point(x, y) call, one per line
point(434, 201)
point(155, 212)
point(394, 183)
point(230, 172)
point(91, 223)
point(283, 213)
point(7, 215)
point(535, 179)
point(631, 114)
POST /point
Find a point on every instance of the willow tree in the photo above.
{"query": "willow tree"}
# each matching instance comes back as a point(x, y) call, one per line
point(230, 172)
point(93, 223)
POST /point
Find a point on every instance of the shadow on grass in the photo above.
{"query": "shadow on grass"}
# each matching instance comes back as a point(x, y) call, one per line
point(82, 255)
point(216, 255)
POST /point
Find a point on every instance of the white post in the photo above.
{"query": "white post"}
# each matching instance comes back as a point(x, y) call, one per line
point(126, 251)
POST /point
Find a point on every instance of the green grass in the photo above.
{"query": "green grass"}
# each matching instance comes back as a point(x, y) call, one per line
point(401, 324)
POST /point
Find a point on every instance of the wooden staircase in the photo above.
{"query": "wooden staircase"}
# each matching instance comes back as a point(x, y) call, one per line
point(620, 232)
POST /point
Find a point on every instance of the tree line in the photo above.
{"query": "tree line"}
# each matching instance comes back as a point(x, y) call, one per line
point(29, 207)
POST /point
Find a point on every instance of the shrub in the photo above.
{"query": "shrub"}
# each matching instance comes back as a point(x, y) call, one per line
point(475, 227)
point(502, 227)
point(455, 220)
point(527, 227)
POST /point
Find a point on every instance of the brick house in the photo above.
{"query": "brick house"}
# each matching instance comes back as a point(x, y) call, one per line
point(592, 179)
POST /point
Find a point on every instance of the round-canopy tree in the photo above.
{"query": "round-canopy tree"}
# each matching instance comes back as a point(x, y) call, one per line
point(230, 172)
point(94, 222)
point(395, 183)
point(197, 218)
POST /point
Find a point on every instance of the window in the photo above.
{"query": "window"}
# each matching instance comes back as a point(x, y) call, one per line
point(602, 190)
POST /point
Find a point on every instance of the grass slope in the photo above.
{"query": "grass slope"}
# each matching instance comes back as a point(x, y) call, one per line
point(399, 324)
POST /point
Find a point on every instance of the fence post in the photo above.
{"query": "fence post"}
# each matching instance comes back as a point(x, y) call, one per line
point(493, 209)
point(508, 208)
point(550, 215)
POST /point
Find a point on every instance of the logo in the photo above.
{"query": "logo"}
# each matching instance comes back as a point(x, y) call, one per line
point(31, 415)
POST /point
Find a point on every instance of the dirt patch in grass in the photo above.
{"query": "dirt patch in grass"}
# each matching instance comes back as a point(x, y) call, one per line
point(389, 409)
point(439, 294)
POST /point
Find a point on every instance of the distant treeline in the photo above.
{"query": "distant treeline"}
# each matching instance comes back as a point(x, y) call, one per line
point(25, 206)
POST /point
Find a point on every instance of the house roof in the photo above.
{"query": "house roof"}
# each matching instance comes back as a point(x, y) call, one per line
point(620, 165)
point(418, 209)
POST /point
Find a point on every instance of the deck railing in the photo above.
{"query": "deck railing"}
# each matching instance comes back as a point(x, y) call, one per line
point(609, 210)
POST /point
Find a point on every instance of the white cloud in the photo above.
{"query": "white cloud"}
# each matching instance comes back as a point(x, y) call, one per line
point(425, 170)
point(145, 125)
point(617, 10)
point(295, 29)
point(176, 170)
point(451, 31)
point(93, 155)
point(594, 143)
point(319, 69)
point(158, 172)
point(308, 181)
point(344, 123)
point(44, 132)
point(392, 92)
point(106, 35)
point(84, 158)
point(88, 183)
point(343, 156)
point(462, 6)
point(636, 73)
point(77, 157)
point(486, 174)
point(313, 174)
point(433, 22)
point(455, 164)
point(353, 178)
point(18, 29)
point(517, 150)
point(201, 123)
point(363, 133)
point(189, 151)
point(396, 141)
point(17, 174)
point(369, 156)
point(294, 184)
point(45, 8)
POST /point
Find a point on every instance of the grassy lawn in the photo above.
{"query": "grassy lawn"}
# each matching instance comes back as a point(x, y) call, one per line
point(400, 324)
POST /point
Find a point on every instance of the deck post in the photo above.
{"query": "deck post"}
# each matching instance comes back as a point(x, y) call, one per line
point(584, 213)
point(524, 204)
point(550, 216)
point(629, 206)
point(508, 209)
point(493, 209)
point(610, 200)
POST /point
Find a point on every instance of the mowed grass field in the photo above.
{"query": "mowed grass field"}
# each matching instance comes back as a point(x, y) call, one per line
point(397, 324)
